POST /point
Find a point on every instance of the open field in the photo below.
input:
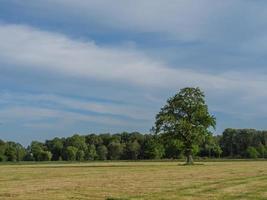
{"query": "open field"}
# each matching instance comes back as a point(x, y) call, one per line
point(134, 180)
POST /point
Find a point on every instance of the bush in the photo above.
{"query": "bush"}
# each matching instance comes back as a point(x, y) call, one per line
point(262, 151)
point(252, 152)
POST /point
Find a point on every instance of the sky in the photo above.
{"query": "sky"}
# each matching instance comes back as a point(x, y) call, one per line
point(75, 66)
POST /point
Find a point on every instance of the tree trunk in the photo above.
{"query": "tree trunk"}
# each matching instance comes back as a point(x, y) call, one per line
point(188, 154)
point(189, 159)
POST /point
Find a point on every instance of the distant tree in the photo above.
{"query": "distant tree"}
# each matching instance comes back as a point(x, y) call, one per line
point(102, 152)
point(262, 150)
point(252, 152)
point(2, 157)
point(80, 155)
point(106, 138)
point(235, 142)
point(91, 153)
point(71, 153)
point(263, 136)
point(20, 151)
point(77, 141)
point(93, 139)
point(28, 156)
point(125, 137)
point(153, 149)
point(243, 140)
point(185, 117)
point(45, 156)
point(55, 146)
point(115, 138)
point(10, 153)
point(36, 148)
point(2, 143)
point(210, 147)
point(217, 148)
point(115, 150)
point(132, 150)
point(2, 151)
point(14, 151)
point(173, 148)
point(217, 151)
point(227, 142)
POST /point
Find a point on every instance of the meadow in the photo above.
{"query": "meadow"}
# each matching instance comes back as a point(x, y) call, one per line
point(134, 180)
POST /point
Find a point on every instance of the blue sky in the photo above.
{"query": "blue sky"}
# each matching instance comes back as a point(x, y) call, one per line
point(108, 66)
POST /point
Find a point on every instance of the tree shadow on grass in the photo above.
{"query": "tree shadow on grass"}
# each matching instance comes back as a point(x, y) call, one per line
point(194, 164)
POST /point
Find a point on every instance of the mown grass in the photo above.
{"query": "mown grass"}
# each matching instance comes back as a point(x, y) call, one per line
point(134, 181)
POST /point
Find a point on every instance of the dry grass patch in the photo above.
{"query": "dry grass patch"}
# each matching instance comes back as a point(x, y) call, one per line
point(134, 180)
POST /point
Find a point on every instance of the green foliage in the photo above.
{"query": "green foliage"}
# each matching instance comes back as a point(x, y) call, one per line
point(173, 147)
point(153, 149)
point(29, 157)
point(252, 152)
point(210, 147)
point(71, 153)
point(77, 141)
point(217, 151)
point(2, 158)
point(93, 139)
point(45, 156)
point(102, 152)
point(133, 146)
point(195, 150)
point(10, 154)
point(262, 151)
point(115, 150)
point(132, 150)
point(80, 155)
point(235, 142)
point(91, 153)
point(56, 147)
point(185, 117)
point(36, 148)
point(2, 151)
point(13, 152)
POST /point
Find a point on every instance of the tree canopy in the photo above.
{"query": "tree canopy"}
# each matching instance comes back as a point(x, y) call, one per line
point(185, 117)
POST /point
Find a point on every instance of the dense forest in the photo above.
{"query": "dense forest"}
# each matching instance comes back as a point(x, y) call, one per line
point(233, 143)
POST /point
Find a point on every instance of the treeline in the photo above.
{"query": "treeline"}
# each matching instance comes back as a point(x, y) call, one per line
point(232, 143)
point(244, 143)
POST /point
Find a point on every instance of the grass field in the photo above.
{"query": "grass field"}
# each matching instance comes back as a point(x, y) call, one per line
point(134, 180)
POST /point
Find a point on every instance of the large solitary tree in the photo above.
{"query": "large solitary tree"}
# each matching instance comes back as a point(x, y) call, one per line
point(185, 117)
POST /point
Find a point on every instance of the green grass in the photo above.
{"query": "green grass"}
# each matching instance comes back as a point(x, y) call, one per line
point(134, 180)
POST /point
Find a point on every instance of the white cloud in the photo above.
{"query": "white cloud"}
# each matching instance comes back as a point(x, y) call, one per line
point(184, 20)
point(28, 48)
point(78, 105)
point(31, 115)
